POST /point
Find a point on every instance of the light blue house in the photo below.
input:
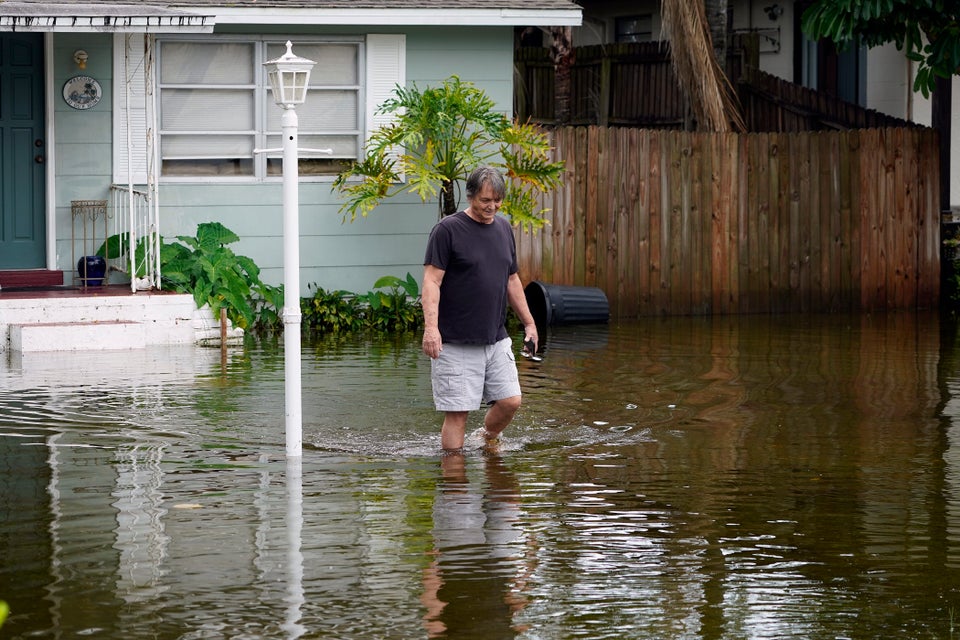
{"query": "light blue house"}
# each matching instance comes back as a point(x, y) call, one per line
point(158, 108)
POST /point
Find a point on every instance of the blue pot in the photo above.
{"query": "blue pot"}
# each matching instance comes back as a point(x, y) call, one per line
point(92, 270)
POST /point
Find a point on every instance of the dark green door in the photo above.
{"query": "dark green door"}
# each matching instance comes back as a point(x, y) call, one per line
point(22, 152)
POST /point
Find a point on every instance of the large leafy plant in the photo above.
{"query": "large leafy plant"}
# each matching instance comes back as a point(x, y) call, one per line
point(437, 136)
point(207, 268)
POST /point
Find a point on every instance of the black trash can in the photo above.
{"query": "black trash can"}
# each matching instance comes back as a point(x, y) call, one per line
point(553, 304)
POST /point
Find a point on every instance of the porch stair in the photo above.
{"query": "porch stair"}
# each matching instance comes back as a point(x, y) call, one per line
point(64, 322)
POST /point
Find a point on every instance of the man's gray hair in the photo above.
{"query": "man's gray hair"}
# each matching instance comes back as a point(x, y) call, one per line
point(486, 175)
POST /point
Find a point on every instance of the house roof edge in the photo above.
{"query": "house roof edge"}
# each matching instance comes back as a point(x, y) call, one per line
point(399, 17)
point(91, 17)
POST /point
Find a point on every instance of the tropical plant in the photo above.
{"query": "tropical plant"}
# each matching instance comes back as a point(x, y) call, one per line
point(331, 311)
point(207, 268)
point(928, 31)
point(438, 135)
point(267, 305)
point(392, 306)
point(396, 309)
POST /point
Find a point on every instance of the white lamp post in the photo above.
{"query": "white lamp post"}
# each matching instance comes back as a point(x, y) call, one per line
point(289, 78)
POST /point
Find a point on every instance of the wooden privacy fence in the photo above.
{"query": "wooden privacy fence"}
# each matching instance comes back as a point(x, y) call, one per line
point(633, 84)
point(770, 103)
point(613, 84)
point(677, 223)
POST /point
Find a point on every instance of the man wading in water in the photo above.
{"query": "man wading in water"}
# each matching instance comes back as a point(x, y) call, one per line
point(469, 277)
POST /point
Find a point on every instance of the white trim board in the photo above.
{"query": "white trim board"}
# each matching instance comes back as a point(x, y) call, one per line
point(400, 17)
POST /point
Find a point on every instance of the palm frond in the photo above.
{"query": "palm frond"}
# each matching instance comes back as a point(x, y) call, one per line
point(699, 72)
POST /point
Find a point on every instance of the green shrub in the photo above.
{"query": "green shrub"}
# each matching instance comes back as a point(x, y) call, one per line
point(395, 310)
point(393, 306)
point(331, 311)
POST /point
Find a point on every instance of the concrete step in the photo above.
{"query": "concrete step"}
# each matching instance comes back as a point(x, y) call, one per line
point(91, 322)
point(77, 336)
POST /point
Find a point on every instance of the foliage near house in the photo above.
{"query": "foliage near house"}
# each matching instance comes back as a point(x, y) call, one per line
point(205, 267)
point(393, 306)
point(438, 136)
point(927, 31)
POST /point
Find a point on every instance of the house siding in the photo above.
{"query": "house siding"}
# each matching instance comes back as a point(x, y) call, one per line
point(334, 254)
point(82, 144)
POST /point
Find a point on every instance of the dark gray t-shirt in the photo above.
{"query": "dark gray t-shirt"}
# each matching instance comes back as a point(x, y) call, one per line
point(477, 259)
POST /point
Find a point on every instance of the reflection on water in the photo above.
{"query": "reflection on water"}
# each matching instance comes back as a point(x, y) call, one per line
point(476, 581)
point(758, 477)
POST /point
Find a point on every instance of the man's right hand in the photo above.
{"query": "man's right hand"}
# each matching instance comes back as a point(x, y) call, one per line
point(432, 343)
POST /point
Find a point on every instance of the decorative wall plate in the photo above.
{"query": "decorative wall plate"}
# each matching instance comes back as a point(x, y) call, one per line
point(82, 92)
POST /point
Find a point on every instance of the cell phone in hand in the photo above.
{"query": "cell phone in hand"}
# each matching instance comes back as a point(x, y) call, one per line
point(529, 351)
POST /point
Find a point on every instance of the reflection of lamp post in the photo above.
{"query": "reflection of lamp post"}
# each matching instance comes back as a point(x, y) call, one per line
point(289, 77)
point(293, 624)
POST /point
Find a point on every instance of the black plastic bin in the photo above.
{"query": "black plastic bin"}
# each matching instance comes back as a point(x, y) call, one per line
point(553, 304)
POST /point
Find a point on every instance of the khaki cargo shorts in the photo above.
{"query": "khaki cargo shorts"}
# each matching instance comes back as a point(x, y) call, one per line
point(466, 375)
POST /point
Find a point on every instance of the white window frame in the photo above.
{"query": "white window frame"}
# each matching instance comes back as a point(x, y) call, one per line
point(382, 64)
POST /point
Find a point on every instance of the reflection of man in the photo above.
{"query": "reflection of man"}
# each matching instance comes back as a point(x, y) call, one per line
point(469, 277)
point(475, 585)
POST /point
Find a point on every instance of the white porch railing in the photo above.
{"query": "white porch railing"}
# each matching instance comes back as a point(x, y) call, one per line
point(136, 232)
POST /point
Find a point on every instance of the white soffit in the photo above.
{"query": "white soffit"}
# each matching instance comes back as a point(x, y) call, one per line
point(401, 17)
point(108, 18)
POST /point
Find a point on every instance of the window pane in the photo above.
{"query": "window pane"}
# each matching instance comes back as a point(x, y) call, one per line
point(343, 146)
point(201, 168)
point(207, 110)
point(634, 28)
point(199, 155)
point(309, 166)
point(198, 146)
point(337, 64)
point(322, 111)
point(207, 63)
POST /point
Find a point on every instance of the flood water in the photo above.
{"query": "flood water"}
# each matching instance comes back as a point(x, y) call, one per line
point(758, 477)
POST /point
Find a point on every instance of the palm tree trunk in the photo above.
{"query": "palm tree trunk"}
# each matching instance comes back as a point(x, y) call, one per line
point(448, 203)
point(718, 18)
point(562, 53)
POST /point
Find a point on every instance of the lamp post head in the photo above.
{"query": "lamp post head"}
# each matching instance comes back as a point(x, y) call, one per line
point(289, 77)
